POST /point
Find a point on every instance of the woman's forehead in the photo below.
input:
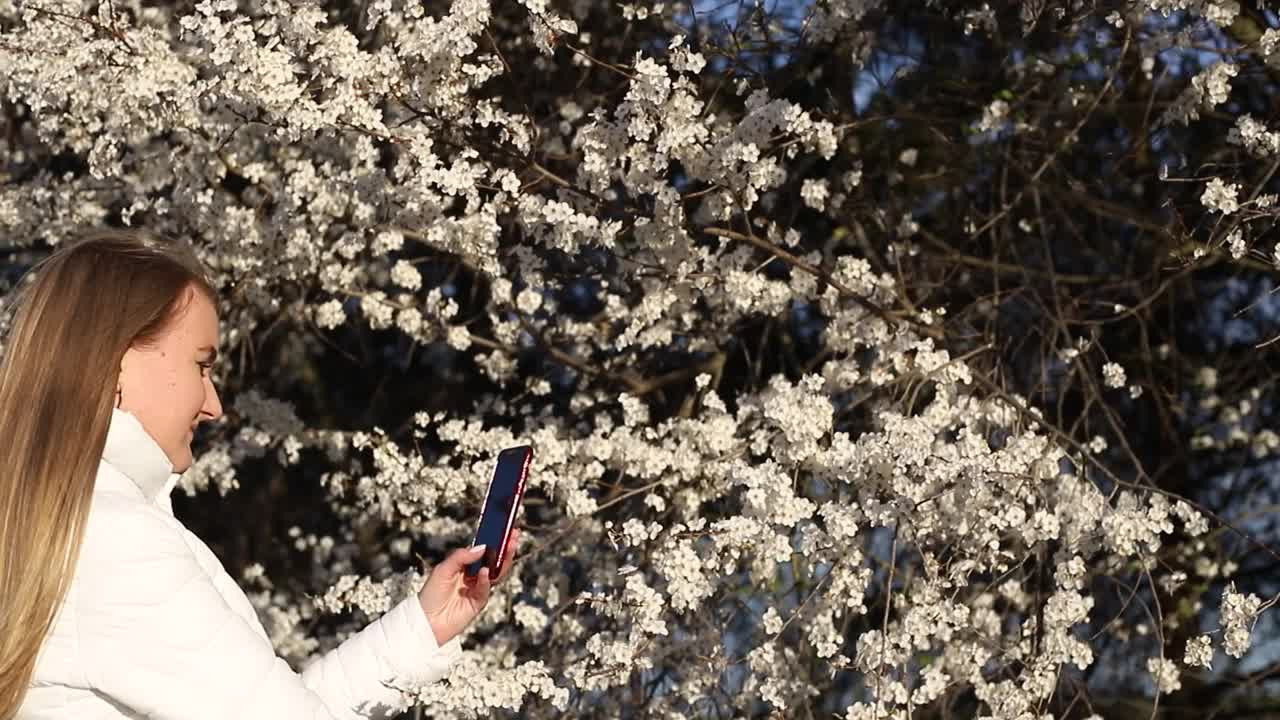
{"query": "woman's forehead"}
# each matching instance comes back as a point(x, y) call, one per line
point(198, 316)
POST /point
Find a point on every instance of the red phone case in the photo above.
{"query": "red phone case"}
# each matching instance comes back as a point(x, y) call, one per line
point(511, 518)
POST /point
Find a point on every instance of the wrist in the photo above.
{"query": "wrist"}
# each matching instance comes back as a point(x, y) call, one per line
point(435, 623)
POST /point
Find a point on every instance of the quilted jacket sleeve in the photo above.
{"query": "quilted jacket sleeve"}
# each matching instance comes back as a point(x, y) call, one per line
point(157, 637)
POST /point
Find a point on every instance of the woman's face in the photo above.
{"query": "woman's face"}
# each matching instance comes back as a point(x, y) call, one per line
point(168, 386)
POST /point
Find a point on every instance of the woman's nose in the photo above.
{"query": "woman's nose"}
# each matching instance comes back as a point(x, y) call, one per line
point(212, 405)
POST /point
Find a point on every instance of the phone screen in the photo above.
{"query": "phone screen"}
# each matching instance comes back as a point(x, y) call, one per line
point(500, 504)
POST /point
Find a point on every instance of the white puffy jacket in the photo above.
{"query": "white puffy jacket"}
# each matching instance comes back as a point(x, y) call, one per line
point(153, 627)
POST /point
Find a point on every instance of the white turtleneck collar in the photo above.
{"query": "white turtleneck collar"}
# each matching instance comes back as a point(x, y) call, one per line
point(137, 456)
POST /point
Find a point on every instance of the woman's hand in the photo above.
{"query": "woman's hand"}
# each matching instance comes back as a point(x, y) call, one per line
point(450, 599)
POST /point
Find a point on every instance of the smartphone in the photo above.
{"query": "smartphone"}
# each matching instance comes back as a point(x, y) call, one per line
point(501, 503)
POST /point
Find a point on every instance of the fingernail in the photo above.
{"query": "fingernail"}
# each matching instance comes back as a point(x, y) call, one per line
point(476, 548)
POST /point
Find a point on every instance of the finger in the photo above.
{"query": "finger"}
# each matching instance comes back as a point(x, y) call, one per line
point(513, 545)
point(458, 560)
point(506, 570)
point(478, 591)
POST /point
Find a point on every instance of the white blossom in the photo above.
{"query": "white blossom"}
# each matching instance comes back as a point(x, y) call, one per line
point(1113, 375)
point(1207, 90)
point(1199, 652)
point(1222, 12)
point(1165, 674)
point(1238, 614)
point(406, 275)
point(1220, 196)
point(1236, 244)
point(1254, 136)
point(993, 116)
point(330, 314)
point(815, 193)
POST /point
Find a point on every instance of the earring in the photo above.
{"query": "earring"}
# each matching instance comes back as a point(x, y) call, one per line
point(119, 397)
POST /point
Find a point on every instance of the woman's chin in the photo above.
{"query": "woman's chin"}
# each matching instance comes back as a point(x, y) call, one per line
point(183, 460)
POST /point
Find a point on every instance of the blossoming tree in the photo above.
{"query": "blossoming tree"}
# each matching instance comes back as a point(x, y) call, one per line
point(831, 324)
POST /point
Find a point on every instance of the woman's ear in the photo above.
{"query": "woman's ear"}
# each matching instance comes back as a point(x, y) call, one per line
point(119, 388)
point(126, 360)
point(119, 396)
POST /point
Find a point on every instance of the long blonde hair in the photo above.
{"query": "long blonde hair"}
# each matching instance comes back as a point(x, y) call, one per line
point(77, 314)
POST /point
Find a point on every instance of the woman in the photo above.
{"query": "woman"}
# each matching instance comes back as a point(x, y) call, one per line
point(109, 607)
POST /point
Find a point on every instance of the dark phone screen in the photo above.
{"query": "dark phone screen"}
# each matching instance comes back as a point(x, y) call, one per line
point(499, 506)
